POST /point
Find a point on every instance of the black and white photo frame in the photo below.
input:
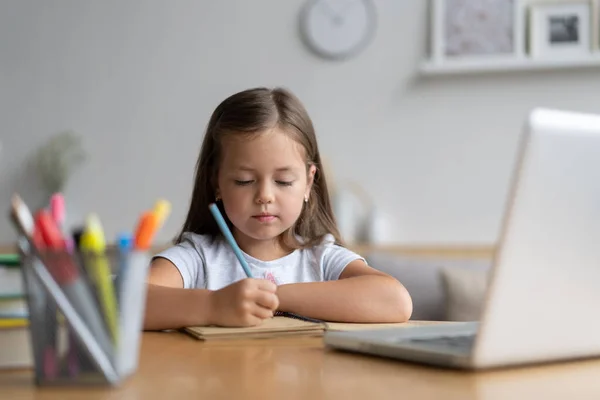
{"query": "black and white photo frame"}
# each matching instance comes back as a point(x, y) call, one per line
point(562, 29)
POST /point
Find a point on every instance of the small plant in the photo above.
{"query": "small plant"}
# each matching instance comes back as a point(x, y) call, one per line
point(56, 160)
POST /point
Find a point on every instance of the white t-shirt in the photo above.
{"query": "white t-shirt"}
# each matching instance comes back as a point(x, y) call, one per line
point(209, 263)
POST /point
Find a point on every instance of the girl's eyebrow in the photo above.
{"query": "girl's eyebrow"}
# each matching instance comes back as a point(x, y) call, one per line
point(280, 169)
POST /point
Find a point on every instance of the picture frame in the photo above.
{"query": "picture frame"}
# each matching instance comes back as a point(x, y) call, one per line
point(561, 29)
point(595, 17)
point(532, 47)
point(481, 29)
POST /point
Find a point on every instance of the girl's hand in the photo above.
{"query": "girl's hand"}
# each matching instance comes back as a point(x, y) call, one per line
point(244, 303)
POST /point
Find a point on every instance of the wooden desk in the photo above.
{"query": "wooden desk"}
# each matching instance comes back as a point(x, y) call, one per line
point(175, 366)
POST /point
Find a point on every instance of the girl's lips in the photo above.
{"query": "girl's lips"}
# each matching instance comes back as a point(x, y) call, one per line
point(264, 218)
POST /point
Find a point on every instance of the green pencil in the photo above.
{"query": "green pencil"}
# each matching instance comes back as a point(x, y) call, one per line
point(10, 260)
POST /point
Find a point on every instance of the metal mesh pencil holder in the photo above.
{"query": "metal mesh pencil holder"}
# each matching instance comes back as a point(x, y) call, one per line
point(86, 314)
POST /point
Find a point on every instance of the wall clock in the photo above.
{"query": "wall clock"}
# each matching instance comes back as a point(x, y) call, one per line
point(337, 29)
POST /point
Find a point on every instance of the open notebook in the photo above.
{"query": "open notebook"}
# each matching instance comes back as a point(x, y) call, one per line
point(284, 326)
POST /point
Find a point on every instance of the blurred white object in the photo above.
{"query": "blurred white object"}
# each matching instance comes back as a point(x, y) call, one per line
point(353, 207)
point(378, 227)
point(345, 207)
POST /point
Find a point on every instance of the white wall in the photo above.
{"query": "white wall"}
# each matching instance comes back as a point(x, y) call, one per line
point(139, 80)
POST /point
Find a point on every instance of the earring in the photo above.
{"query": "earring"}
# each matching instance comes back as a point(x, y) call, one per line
point(217, 198)
point(306, 199)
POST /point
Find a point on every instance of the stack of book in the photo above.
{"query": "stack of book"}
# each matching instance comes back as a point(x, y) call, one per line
point(15, 344)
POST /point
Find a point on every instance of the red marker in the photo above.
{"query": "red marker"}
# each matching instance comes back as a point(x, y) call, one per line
point(49, 230)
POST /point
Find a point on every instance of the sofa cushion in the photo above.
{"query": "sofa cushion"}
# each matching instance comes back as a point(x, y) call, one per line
point(465, 291)
point(421, 277)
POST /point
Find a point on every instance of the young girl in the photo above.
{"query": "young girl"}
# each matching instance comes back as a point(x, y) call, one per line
point(260, 163)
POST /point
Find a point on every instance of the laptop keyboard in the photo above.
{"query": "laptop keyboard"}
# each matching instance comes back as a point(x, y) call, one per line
point(463, 342)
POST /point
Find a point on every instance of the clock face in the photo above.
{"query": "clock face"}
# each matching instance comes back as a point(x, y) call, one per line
point(337, 29)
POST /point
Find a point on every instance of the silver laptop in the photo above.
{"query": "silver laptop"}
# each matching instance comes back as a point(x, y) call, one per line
point(543, 297)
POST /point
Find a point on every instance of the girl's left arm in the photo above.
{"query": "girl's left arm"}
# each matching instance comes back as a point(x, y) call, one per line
point(361, 294)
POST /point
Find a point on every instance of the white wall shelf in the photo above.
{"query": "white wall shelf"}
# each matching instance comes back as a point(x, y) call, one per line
point(501, 64)
point(525, 55)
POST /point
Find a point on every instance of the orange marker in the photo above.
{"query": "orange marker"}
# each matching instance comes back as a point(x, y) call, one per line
point(146, 230)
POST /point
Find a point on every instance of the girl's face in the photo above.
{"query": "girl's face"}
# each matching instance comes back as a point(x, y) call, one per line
point(263, 182)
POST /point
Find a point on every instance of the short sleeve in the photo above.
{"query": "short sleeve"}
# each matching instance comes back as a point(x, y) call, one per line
point(189, 262)
point(334, 259)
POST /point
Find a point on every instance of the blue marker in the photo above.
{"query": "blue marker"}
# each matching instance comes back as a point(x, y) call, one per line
point(124, 247)
point(124, 242)
point(229, 237)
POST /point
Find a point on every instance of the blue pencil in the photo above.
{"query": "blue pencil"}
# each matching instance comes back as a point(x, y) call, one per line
point(229, 237)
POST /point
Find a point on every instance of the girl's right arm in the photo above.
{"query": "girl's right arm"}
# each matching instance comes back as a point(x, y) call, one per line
point(170, 306)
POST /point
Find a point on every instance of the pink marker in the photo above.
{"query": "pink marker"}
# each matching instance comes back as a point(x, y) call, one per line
point(58, 210)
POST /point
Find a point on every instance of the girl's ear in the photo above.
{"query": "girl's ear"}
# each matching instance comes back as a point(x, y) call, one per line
point(312, 170)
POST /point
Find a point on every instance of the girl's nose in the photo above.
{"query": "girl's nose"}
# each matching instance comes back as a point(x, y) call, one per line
point(264, 195)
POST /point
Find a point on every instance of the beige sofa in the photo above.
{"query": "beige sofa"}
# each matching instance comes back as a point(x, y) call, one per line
point(442, 289)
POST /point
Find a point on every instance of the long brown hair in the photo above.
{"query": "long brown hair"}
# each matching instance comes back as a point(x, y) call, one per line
point(250, 113)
